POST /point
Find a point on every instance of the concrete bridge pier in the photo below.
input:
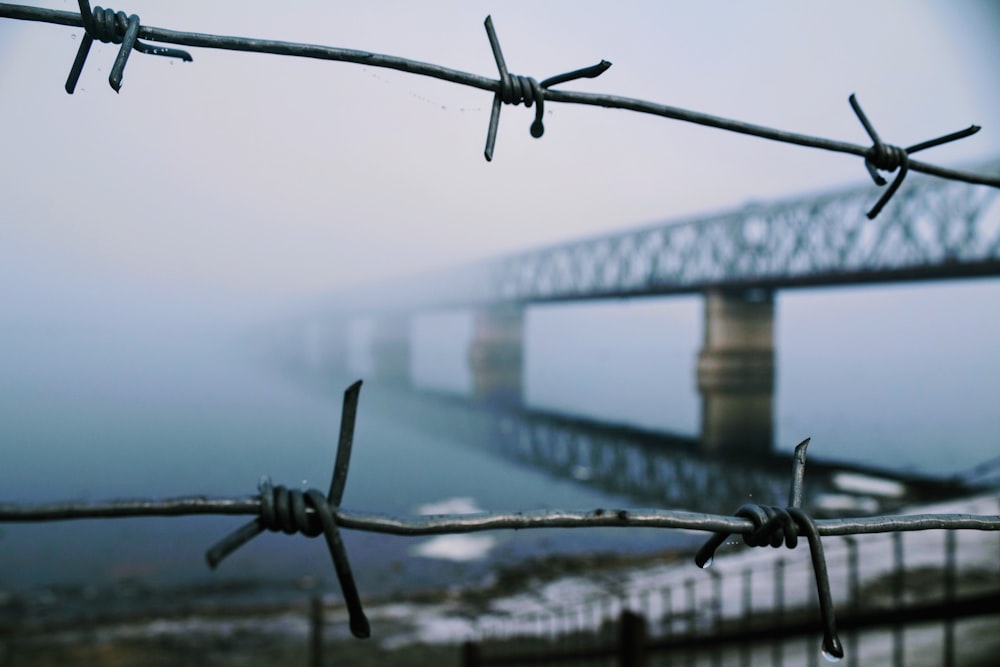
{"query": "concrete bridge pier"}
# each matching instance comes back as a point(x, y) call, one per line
point(736, 370)
point(496, 355)
point(391, 350)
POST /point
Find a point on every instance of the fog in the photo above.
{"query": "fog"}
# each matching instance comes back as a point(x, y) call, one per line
point(254, 177)
point(146, 236)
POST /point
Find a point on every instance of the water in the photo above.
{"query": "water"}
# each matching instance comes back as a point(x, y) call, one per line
point(829, 656)
point(167, 411)
point(903, 376)
point(175, 401)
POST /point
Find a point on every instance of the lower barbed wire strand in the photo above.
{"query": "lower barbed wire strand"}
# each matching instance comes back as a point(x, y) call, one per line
point(465, 523)
point(646, 518)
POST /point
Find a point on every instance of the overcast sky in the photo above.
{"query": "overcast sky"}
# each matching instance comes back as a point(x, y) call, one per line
point(279, 178)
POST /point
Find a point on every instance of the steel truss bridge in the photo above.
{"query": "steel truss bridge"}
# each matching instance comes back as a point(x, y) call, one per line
point(933, 229)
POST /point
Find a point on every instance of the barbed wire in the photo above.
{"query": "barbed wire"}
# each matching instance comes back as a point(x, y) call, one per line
point(310, 512)
point(109, 26)
point(277, 508)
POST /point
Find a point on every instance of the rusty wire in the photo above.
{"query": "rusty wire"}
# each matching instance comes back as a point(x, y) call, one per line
point(119, 28)
point(277, 508)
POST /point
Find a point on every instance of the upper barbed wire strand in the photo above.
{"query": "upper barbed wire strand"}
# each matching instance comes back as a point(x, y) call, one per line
point(497, 86)
point(110, 27)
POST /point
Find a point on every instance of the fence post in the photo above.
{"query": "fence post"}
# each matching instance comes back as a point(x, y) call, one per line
point(949, 597)
point(898, 589)
point(692, 619)
point(854, 595)
point(778, 647)
point(632, 640)
point(716, 612)
point(745, 616)
point(667, 603)
point(316, 630)
point(470, 654)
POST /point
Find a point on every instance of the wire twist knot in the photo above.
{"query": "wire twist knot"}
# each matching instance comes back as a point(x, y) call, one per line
point(108, 26)
point(886, 157)
point(772, 526)
point(516, 89)
point(287, 510)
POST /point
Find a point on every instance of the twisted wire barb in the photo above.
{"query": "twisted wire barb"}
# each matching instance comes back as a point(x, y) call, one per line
point(277, 508)
point(510, 89)
point(286, 510)
point(110, 27)
point(774, 525)
point(517, 89)
point(889, 158)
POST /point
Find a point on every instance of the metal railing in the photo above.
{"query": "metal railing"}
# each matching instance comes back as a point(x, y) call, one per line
point(756, 611)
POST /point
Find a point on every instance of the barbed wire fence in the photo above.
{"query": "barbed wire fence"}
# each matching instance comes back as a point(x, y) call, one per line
point(310, 512)
point(111, 27)
point(277, 508)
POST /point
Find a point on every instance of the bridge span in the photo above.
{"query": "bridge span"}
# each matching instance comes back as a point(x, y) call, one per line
point(933, 229)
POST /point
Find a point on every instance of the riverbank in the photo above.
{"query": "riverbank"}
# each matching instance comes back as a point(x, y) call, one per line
point(248, 624)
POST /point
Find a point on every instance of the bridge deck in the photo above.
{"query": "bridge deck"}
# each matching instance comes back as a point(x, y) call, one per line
point(933, 229)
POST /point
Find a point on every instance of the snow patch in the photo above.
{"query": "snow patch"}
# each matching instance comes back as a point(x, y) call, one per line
point(460, 548)
point(842, 502)
point(464, 505)
point(876, 486)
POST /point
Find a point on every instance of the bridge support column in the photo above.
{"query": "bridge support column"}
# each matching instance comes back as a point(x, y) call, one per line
point(391, 350)
point(736, 371)
point(496, 355)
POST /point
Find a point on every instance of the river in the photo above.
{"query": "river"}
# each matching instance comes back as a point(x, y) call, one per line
point(169, 399)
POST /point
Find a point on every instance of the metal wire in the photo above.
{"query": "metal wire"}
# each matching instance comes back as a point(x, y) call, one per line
point(510, 89)
point(440, 524)
point(312, 514)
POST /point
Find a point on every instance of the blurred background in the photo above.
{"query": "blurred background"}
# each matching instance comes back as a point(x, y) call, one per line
point(175, 262)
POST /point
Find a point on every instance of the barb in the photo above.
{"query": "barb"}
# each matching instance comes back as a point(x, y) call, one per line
point(525, 89)
point(517, 89)
point(774, 525)
point(286, 510)
point(312, 514)
point(110, 27)
point(889, 158)
point(798, 473)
